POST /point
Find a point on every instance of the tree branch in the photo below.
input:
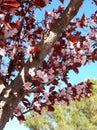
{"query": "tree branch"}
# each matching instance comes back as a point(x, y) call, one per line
point(15, 48)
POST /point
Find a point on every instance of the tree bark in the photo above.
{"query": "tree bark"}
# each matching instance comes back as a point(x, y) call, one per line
point(11, 96)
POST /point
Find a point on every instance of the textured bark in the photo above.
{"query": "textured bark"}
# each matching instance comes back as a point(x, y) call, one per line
point(11, 96)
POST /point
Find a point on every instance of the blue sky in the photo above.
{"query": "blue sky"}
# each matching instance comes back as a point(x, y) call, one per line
point(85, 72)
point(15, 125)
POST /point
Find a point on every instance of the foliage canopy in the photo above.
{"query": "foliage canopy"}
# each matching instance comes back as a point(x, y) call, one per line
point(36, 55)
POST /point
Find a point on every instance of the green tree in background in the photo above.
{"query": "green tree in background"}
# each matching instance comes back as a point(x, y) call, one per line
point(77, 116)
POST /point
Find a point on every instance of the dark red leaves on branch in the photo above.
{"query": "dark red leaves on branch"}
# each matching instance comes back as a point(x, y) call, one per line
point(41, 3)
point(36, 49)
point(50, 108)
point(94, 56)
point(11, 3)
point(73, 38)
point(18, 23)
point(2, 43)
point(21, 118)
point(83, 22)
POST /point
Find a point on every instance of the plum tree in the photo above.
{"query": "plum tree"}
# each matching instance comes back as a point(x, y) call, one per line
point(36, 55)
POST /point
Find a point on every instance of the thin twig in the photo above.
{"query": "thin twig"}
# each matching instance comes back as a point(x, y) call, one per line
point(15, 48)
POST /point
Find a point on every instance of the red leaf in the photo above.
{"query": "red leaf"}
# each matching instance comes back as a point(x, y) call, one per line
point(41, 3)
point(5, 24)
point(35, 49)
point(77, 64)
point(73, 39)
point(55, 82)
point(6, 1)
point(50, 108)
point(2, 43)
point(21, 118)
point(51, 89)
point(76, 70)
point(26, 102)
point(11, 3)
point(18, 22)
point(94, 55)
point(83, 21)
point(60, 9)
point(40, 90)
